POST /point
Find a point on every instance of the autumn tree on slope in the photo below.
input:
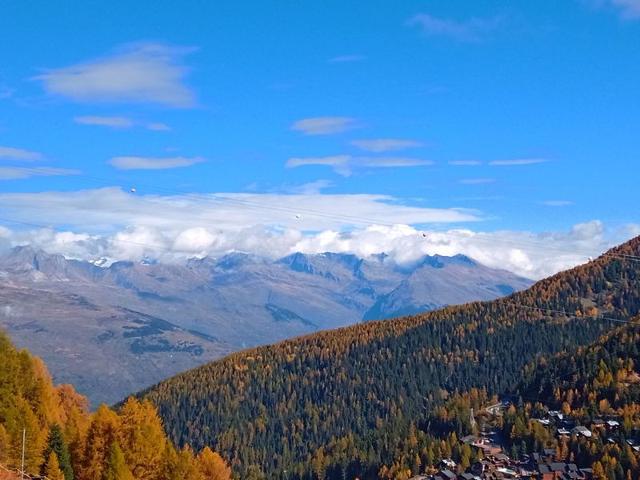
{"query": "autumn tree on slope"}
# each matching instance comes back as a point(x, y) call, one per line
point(212, 466)
point(116, 468)
point(52, 468)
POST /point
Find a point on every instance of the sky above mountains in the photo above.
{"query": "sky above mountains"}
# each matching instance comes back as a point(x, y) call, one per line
point(508, 132)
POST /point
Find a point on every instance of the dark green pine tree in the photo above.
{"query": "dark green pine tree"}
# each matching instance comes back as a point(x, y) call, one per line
point(56, 443)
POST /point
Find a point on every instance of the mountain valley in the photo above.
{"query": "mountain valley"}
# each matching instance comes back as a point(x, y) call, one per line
point(111, 330)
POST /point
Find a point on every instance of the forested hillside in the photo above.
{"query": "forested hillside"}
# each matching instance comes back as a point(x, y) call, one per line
point(338, 402)
point(65, 442)
point(596, 387)
point(594, 380)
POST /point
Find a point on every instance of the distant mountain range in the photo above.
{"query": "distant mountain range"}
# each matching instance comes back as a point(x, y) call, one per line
point(114, 330)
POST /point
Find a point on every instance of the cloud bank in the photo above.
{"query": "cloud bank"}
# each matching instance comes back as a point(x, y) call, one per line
point(118, 225)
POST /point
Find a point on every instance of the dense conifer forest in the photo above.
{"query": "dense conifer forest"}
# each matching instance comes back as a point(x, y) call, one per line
point(345, 403)
point(592, 386)
point(589, 386)
point(592, 380)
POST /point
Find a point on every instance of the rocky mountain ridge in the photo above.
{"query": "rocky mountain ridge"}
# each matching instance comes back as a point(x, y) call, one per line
point(114, 329)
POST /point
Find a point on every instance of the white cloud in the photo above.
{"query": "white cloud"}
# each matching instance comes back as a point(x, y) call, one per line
point(138, 73)
point(347, 58)
point(513, 162)
point(378, 145)
point(115, 224)
point(477, 181)
point(113, 208)
point(153, 163)
point(12, 153)
point(533, 255)
point(631, 230)
point(390, 162)
point(16, 173)
point(195, 240)
point(340, 163)
point(465, 163)
point(324, 125)
point(517, 162)
point(330, 161)
point(112, 122)
point(119, 122)
point(471, 30)
point(345, 164)
point(118, 225)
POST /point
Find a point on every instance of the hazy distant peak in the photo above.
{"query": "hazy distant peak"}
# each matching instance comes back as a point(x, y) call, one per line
point(237, 259)
point(440, 261)
point(22, 252)
point(27, 256)
point(465, 259)
point(271, 299)
point(121, 265)
point(300, 262)
point(328, 264)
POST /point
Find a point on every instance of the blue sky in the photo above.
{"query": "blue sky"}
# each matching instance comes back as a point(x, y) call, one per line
point(483, 115)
